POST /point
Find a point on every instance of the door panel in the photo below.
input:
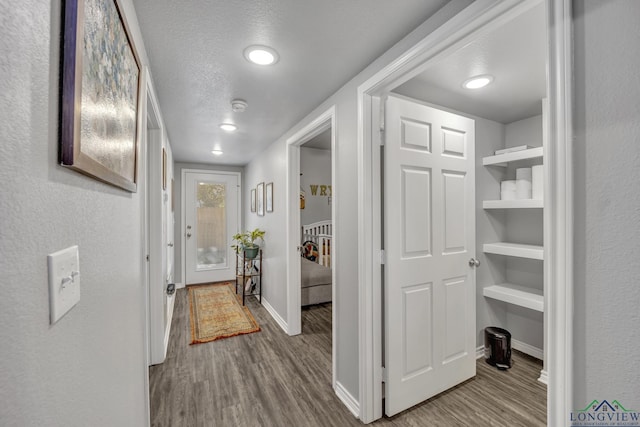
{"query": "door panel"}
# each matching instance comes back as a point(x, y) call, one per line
point(211, 221)
point(429, 236)
point(454, 212)
point(416, 212)
point(417, 299)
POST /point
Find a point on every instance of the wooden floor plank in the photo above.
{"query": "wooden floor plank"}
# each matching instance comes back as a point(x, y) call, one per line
point(270, 379)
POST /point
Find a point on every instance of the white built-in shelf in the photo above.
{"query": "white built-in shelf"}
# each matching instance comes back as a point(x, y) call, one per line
point(518, 295)
point(503, 159)
point(512, 204)
point(514, 249)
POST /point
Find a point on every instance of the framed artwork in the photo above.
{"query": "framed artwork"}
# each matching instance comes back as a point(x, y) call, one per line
point(253, 200)
point(260, 199)
point(100, 97)
point(269, 197)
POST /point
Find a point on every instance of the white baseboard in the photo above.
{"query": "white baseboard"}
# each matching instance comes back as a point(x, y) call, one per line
point(347, 399)
point(527, 349)
point(544, 377)
point(480, 352)
point(272, 311)
point(179, 286)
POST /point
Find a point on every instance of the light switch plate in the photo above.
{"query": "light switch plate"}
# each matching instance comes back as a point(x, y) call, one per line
point(64, 281)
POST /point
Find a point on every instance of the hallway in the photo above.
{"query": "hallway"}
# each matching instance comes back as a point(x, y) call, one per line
point(270, 379)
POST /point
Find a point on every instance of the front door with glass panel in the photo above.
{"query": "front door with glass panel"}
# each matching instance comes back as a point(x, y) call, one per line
point(211, 219)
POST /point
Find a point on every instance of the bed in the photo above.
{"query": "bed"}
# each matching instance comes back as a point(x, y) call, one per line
point(315, 264)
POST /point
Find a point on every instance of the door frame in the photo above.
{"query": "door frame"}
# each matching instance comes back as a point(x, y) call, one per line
point(482, 15)
point(326, 120)
point(155, 247)
point(183, 210)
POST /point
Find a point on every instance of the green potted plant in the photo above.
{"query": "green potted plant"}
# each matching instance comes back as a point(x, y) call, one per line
point(246, 241)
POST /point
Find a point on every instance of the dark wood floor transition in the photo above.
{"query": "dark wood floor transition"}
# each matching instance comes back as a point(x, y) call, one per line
point(270, 379)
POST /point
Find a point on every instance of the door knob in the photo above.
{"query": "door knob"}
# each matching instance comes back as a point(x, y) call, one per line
point(188, 234)
point(170, 244)
point(474, 263)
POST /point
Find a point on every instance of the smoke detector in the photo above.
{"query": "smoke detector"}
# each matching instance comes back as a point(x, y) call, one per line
point(239, 105)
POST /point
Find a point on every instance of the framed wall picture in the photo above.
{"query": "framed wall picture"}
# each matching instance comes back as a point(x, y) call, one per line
point(99, 129)
point(260, 199)
point(269, 197)
point(253, 200)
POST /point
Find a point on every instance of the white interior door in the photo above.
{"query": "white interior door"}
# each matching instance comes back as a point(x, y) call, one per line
point(429, 238)
point(211, 218)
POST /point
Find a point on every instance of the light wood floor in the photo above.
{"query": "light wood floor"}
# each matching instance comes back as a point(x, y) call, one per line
point(270, 379)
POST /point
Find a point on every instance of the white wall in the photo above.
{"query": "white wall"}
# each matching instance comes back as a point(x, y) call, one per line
point(315, 166)
point(271, 166)
point(88, 368)
point(607, 202)
point(179, 233)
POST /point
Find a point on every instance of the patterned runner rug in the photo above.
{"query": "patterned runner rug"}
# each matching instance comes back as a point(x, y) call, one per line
point(217, 313)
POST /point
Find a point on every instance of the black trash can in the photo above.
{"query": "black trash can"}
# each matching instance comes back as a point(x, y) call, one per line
point(497, 347)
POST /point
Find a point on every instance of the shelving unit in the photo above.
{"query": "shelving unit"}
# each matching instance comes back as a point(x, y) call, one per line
point(529, 297)
point(513, 204)
point(249, 275)
point(504, 159)
point(518, 295)
point(515, 250)
point(512, 235)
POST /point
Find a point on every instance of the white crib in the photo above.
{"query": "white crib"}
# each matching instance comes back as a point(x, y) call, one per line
point(320, 233)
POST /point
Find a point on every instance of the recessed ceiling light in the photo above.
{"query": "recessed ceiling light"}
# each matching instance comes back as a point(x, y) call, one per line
point(216, 152)
point(229, 127)
point(477, 82)
point(261, 55)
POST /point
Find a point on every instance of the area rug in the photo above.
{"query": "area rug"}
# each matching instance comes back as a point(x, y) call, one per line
point(216, 313)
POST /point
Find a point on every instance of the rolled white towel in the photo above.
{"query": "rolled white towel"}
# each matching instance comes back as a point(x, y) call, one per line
point(537, 183)
point(523, 189)
point(508, 195)
point(509, 185)
point(523, 173)
point(508, 190)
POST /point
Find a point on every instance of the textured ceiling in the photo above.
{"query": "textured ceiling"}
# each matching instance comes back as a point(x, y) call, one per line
point(514, 54)
point(320, 142)
point(196, 48)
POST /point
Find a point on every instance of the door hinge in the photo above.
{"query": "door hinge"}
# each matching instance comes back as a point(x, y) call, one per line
point(383, 374)
point(383, 257)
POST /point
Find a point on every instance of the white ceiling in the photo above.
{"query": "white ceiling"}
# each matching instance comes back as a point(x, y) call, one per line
point(196, 48)
point(514, 54)
point(320, 142)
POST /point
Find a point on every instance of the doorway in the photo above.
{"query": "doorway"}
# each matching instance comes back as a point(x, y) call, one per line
point(159, 231)
point(211, 218)
point(478, 19)
point(323, 125)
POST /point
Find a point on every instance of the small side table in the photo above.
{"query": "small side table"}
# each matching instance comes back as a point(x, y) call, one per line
point(249, 275)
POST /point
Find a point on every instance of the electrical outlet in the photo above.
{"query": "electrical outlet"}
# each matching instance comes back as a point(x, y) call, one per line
point(64, 281)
